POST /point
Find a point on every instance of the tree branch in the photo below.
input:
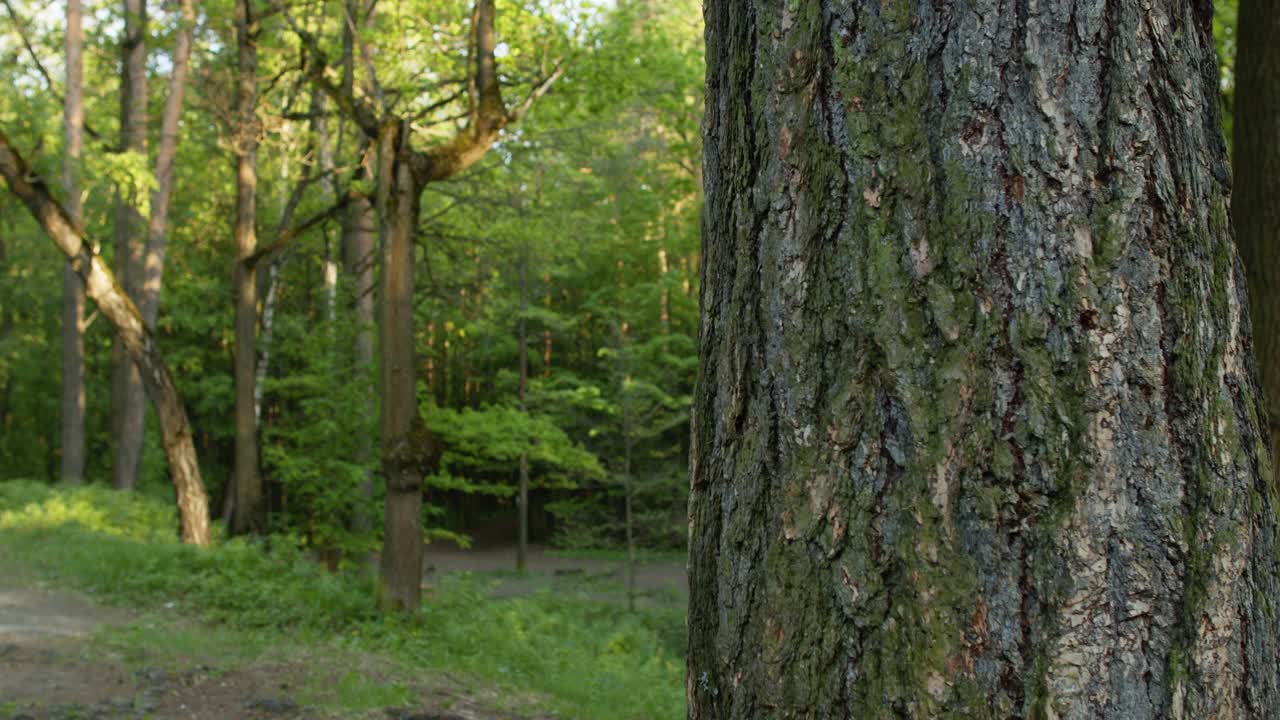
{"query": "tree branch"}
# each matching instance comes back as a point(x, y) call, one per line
point(538, 91)
point(288, 235)
point(21, 26)
point(488, 118)
point(355, 108)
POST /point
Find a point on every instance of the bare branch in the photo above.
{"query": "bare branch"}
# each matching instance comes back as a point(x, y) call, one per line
point(355, 108)
point(538, 90)
point(21, 26)
point(365, 54)
point(288, 235)
point(488, 118)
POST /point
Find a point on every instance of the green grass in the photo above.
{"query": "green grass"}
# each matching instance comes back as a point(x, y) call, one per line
point(588, 659)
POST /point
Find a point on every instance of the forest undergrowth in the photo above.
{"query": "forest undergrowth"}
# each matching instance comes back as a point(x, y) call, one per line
point(587, 658)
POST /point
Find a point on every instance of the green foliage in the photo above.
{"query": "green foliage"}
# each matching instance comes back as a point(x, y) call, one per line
point(482, 446)
point(318, 447)
point(28, 505)
point(1224, 35)
point(584, 218)
point(128, 172)
point(592, 659)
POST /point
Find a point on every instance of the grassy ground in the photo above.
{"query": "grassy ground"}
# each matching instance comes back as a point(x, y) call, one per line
point(557, 649)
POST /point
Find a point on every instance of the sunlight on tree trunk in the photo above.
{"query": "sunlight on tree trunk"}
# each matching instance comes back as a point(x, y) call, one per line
point(135, 337)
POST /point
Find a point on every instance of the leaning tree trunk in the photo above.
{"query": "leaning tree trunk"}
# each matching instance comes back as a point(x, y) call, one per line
point(1256, 202)
point(140, 346)
point(977, 432)
point(249, 513)
point(73, 392)
point(128, 403)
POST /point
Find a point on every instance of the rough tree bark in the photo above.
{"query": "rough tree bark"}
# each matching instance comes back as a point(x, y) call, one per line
point(119, 310)
point(977, 432)
point(73, 390)
point(409, 449)
point(1254, 207)
point(249, 514)
point(128, 402)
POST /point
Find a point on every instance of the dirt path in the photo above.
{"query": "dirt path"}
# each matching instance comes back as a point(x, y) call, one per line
point(56, 665)
point(64, 656)
point(600, 578)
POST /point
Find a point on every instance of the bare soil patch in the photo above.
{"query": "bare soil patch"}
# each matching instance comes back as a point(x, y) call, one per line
point(54, 665)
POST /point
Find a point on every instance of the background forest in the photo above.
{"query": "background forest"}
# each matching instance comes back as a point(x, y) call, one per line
point(555, 281)
point(574, 241)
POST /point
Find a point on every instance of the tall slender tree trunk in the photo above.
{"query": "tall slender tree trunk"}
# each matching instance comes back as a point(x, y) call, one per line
point(101, 287)
point(664, 291)
point(546, 332)
point(73, 389)
point(265, 342)
point(249, 513)
point(128, 403)
point(166, 159)
point(360, 260)
point(324, 152)
point(628, 497)
point(976, 432)
point(1255, 208)
point(522, 544)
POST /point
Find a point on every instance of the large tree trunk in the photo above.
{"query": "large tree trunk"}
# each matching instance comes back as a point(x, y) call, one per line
point(1256, 201)
point(249, 513)
point(404, 439)
point(119, 310)
point(73, 392)
point(128, 404)
point(977, 432)
point(408, 448)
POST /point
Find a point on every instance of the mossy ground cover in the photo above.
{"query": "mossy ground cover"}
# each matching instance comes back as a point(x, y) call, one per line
point(579, 657)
